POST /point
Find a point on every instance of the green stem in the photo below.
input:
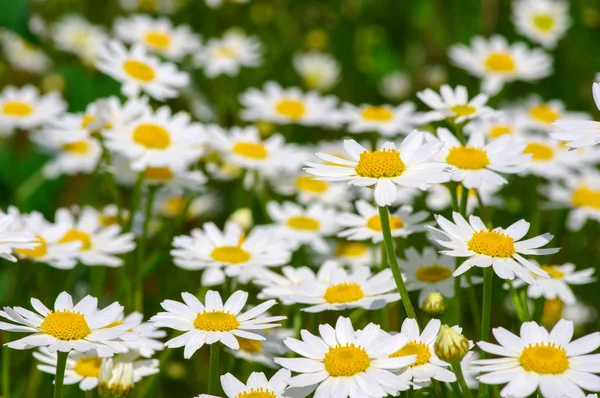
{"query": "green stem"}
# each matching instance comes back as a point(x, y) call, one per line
point(483, 211)
point(391, 255)
point(297, 323)
point(61, 364)
point(461, 379)
point(213, 370)
point(135, 199)
point(464, 200)
point(524, 304)
point(456, 300)
point(139, 289)
point(488, 279)
point(6, 368)
point(476, 312)
point(516, 301)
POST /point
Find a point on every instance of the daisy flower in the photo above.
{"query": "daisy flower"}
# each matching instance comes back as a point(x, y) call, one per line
point(319, 71)
point(230, 252)
point(337, 289)
point(99, 244)
point(454, 104)
point(367, 224)
point(558, 284)
point(141, 337)
point(84, 368)
point(355, 254)
point(76, 35)
point(503, 122)
point(549, 158)
point(263, 351)
point(288, 106)
point(138, 71)
point(22, 55)
point(157, 139)
point(410, 165)
point(395, 86)
point(257, 385)
point(500, 248)
point(579, 133)
point(342, 362)
point(497, 62)
point(385, 119)
point(80, 327)
point(281, 287)
point(229, 54)
point(478, 164)
point(542, 21)
point(24, 108)
point(303, 226)
point(429, 272)
point(12, 238)
point(158, 35)
point(213, 321)
point(539, 115)
point(309, 190)
point(538, 359)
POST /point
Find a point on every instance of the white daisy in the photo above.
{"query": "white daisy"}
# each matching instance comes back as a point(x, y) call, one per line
point(138, 71)
point(549, 158)
point(497, 62)
point(503, 122)
point(355, 254)
point(100, 245)
point(367, 224)
point(158, 35)
point(303, 226)
point(411, 165)
point(579, 133)
point(319, 71)
point(281, 287)
point(539, 115)
point(478, 164)
point(76, 35)
point(80, 327)
point(263, 351)
point(229, 54)
point(13, 239)
point(257, 385)
point(429, 272)
point(540, 359)
point(344, 363)
point(230, 252)
point(22, 55)
point(288, 106)
point(395, 86)
point(454, 104)
point(24, 108)
point(213, 321)
point(141, 337)
point(542, 21)
point(309, 190)
point(337, 289)
point(384, 119)
point(500, 248)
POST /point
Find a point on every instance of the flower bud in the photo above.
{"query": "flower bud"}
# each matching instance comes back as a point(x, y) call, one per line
point(434, 304)
point(115, 379)
point(450, 345)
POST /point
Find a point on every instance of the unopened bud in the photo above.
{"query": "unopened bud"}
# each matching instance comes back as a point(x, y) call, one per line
point(115, 379)
point(434, 304)
point(450, 345)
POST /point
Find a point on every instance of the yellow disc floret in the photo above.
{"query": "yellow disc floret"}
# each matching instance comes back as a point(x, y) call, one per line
point(74, 235)
point(380, 163)
point(346, 360)
point(343, 293)
point(377, 114)
point(433, 273)
point(417, 348)
point(139, 70)
point(230, 254)
point(88, 367)
point(468, 158)
point(492, 243)
point(291, 108)
point(500, 62)
point(151, 136)
point(586, 197)
point(253, 150)
point(544, 358)
point(216, 321)
point(66, 325)
point(303, 223)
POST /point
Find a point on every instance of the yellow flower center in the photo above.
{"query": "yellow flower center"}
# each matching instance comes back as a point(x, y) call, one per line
point(492, 243)
point(381, 163)
point(433, 273)
point(346, 360)
point(112, 325)
point(151, 136)
point(539, 151)
point(294, 109)
point(158, 173)
point(257, 393)
point(88, 367)
point(159, 40)
point(216, 321)
point(544, 22)
point(308, 184)
point(555, 272)
point(77, 147)
point(107, 220)
point(552, 312)
point(16, 108)
point(303, 223)
point(66, 325)
point(414, 348)
point(463, 110)
point(500, 130)
point(586, 197)
point(38, 251)
point(544, 358)
point(500, 62)
point(86, 120)
point(543, 113)
point(74, 235)
point(226, 52)
point(253, 150)
point(174, 205)
point(377, 114)
point(139, 70)
point(230, 254)
point(343, 293)
point(249, 345)
point(467, 157)
point(374, 223)
point(350, 249)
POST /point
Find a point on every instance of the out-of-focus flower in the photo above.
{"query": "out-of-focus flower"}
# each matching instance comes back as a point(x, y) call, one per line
point(549, 158)
point(76, 35)
point(22, 55)
point(539, 115)
point(115, 379)
point(454, 104)
point(229, 54)
point(542, 21)
point(257, 385)
point(503, 122)
point(24, 108)
point(579, 133)
point(383, 119)
point(319, 71)
point(395, 86)
point(12, 238)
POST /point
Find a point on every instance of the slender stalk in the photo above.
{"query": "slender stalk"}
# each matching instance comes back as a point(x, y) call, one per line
point(464, 199)
point(213, 370)
point(483, 211)
point(6, 368)
point(523, 317)
point(135, 199)
point(461, 379)
point(61, 364)
point(476, 312)
point(297, 323)
point(139, 290)
point(391, 255)
point(488, 278)
point(456, 301)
